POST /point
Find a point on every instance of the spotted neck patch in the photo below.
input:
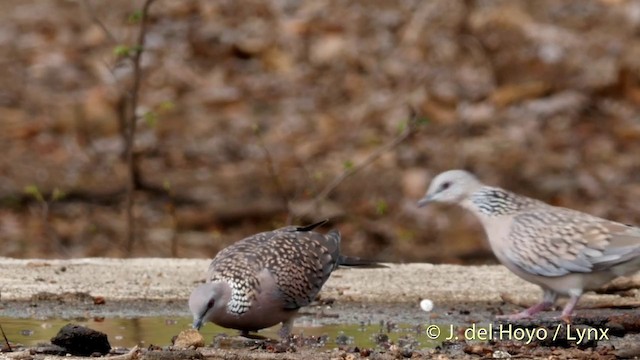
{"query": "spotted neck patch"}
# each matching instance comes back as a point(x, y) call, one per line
point(496, 202)
point(242, 293)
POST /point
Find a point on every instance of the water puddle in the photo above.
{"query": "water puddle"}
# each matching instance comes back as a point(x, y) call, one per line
point(145, 331)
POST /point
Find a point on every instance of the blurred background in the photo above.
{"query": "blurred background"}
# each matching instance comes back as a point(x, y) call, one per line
point(249, 110)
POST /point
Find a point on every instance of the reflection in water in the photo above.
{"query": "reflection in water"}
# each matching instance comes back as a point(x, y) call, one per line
point(159, 331)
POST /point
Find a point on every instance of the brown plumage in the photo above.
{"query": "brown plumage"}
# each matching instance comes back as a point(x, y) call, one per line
point(264, 279)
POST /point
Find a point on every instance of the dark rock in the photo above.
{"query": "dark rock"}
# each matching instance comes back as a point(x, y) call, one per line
point(82, 341)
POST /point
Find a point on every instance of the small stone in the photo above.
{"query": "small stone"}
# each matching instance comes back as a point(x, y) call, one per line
point(188, 338)
point(500, 354)
point(365, 352)
point(426, 305)
point(98, 300)
point(18, 355)
point(477, 349)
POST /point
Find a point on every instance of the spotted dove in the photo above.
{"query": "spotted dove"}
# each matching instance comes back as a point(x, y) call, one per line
point(265, 279)
point(565, 252)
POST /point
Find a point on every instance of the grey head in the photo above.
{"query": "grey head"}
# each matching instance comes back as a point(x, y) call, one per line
point(205, 300)
point(451, 186)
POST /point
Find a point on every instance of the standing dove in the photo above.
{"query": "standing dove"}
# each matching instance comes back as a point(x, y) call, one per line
point(565, 252)
point(265, 279)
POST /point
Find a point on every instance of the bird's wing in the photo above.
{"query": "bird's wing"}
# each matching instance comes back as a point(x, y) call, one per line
point(301, 262)
point(241, 255)
point(556, 241)
point(239, 265)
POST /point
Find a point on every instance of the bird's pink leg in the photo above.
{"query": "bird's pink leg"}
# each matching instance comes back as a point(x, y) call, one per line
point(528, 312)
point(285, 330)
point(548, 299)
point(568, 309)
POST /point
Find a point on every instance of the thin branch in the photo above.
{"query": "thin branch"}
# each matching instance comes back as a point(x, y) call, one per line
point(6, 341)
point(94, 17)
point(408, 131)
point(131, 125)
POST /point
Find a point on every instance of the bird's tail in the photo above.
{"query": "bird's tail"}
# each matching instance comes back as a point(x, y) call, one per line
point(312, 226)
point(354, 261)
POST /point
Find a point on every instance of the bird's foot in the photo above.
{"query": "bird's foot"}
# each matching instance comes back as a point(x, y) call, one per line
point(285, 330)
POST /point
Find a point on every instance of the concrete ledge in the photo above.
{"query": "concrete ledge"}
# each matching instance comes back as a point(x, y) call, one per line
point(163, 279)
point(173, 279)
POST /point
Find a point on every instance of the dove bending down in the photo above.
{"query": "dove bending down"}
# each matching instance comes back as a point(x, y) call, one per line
point(565, 252)
point(265, 279)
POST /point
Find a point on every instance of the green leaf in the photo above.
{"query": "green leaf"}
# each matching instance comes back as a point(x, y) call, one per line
point(122, 50)
point(57, 194)
point(402, 127)
point(166, 105)
point(166, 184)
point(151, 118)
point(135, 17)
point(423, 121)
point(348, 165)
point(381, 207)
point(32, 190)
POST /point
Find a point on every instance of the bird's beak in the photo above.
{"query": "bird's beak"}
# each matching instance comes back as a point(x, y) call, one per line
point(197, 324)
point(425, 200)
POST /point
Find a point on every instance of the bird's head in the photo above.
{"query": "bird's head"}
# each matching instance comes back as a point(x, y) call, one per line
point(204, 300)
point(451, 186)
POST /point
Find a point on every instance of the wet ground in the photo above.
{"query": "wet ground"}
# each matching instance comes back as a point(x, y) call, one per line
point(370, 313)
point(345, 331)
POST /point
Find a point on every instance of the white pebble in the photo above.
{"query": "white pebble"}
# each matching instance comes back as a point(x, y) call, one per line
point(426, 305)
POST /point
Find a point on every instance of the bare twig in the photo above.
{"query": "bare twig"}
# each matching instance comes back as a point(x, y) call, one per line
point(131, 125)
point(6, 341)
point(407, 131)
point(94, 17)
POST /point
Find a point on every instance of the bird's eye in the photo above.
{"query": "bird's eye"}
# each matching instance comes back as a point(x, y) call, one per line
point(445, 186)
point(210, 304)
